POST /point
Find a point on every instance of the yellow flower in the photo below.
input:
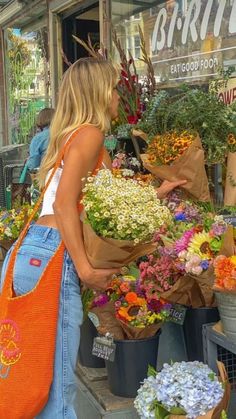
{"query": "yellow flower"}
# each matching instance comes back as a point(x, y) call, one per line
point(200, 245)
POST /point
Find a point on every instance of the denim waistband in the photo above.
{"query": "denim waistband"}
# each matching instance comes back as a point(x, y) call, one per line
point(44, 233)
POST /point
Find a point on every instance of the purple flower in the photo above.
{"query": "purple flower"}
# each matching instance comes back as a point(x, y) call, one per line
point(100, 300)
point(204, 264)
point(218, 229)
point(180, 216)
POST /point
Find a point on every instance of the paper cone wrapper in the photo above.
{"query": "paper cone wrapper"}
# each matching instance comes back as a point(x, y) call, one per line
point(228, 247)
point(110, 253)
point(108, 323)
point(223, 405)
point(230, 189)
point(190, 166)
point(132, 332)
point(185, 292)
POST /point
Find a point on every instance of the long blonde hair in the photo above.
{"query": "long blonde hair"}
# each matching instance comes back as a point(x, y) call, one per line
point(84, 98)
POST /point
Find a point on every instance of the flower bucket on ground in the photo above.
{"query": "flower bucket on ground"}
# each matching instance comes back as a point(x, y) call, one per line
point(188, 390)
point(120, 219)
point(179, 156)
point(133, 319)
point(225, 286)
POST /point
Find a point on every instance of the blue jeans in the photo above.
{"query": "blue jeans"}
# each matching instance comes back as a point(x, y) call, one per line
point(37, 248)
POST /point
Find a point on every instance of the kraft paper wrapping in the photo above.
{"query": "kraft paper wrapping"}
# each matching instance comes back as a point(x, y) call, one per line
point(223, 405)
point(110, 253)
point(230, 189)
point(185, 292)
point(228, 246)
point(108, 323)
point(132, 332)
point(193, 291)
point(190, 166)
point(120, 330)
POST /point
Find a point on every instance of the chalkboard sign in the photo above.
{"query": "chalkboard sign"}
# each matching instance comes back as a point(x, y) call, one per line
point(104, 348)
point(177, 314)
point(230, 219)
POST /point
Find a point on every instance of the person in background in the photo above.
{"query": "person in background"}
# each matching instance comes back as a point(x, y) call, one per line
point(40, 141)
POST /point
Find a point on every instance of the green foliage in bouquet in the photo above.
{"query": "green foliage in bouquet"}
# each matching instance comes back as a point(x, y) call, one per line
point(192, 109)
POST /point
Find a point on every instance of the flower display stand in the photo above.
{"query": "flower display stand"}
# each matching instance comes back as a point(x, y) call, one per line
point(216, 346)
point(95, 401)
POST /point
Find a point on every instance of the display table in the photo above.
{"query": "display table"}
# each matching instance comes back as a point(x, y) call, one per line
point(95, 401)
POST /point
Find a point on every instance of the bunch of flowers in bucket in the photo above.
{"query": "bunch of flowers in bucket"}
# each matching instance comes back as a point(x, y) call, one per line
point(225, 273)
point(181, 270)
point(183, 390)
point(178, 156)
point(126, 309)
point(121, 218)
point(12, 222)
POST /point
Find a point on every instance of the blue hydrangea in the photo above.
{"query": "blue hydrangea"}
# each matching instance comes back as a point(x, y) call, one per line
point(191, 386)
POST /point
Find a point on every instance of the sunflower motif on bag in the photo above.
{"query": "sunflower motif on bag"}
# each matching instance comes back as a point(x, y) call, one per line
point(10, 352)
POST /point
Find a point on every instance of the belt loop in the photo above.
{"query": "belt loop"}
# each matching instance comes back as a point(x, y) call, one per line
point(46, 234)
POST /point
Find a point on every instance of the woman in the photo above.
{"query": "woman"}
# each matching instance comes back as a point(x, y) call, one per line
point(87, 101)
point(39, 142)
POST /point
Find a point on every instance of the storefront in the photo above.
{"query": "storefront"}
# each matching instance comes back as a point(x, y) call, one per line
point(188, 41)
point(37, 46)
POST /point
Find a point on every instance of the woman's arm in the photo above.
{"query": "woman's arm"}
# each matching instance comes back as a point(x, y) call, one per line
point(80, 159)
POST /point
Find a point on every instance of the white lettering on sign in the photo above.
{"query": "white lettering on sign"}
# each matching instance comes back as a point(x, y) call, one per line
point(188, 24)
point(194, 65)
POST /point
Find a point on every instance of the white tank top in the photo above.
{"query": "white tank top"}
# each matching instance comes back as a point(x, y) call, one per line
point(50, 193)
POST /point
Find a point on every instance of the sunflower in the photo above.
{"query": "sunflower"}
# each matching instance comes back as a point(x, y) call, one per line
point(200, 245)
point(130, 312)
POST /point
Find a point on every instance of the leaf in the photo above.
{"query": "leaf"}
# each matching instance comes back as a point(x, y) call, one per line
point(151, 371)
point(134, 271)
point(177, 411)
point(161, 412)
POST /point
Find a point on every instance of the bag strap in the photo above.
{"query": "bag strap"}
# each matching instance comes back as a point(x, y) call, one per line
point(7, 286)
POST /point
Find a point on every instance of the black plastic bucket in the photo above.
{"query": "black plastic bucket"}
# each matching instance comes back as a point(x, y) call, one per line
point(130, 366)
point(87, 333)
point(194, 320)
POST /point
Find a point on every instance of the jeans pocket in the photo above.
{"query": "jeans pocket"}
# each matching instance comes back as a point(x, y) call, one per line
point(30, 264)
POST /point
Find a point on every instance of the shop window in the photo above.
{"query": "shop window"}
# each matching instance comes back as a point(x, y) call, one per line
point(28, 84)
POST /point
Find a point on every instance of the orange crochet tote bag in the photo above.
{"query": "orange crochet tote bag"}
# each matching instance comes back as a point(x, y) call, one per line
point(28, 325)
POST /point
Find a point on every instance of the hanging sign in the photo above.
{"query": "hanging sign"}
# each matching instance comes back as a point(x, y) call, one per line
point(104, 347)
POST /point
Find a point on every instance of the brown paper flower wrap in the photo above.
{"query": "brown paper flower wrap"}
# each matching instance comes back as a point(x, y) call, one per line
point(230, 183)
point(108, 323)
point(110, 253)
point(190, 166)
point(223, 405)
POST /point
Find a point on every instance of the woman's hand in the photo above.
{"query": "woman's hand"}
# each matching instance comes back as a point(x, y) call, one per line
point(97, 279)
point(166, 187)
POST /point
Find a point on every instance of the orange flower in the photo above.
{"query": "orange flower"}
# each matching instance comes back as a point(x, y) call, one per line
point(125, 286)
point(131, 297)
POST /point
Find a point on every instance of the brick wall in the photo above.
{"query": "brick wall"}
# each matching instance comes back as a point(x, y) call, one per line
point(3, 106)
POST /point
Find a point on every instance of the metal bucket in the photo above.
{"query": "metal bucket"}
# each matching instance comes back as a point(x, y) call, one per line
point(227, 309)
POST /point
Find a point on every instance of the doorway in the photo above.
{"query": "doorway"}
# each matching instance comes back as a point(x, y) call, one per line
point(83, 22)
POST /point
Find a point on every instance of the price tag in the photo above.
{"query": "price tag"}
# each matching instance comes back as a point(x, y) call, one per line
point(177, 314)
point(104, 347)
point(230, 219)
